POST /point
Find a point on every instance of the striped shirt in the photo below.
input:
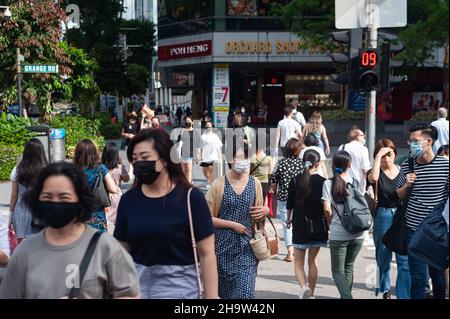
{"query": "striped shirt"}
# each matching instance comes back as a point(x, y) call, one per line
point(429, 189)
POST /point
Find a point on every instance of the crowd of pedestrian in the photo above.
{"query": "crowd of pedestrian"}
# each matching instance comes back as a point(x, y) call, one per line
point(80, 236)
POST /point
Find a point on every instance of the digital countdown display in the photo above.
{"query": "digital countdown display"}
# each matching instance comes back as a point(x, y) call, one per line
point(368, 58)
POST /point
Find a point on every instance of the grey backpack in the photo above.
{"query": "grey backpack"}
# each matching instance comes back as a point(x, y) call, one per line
point(356, 217)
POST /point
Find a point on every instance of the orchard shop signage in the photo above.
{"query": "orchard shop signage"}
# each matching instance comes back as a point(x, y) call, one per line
point(185, 50)
point(263, 47)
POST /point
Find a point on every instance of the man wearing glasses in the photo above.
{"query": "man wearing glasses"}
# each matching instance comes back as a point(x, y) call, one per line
point(360, 156)
point(428, 187)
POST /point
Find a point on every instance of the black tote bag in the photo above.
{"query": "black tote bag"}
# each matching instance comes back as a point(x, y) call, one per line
point(395, 236)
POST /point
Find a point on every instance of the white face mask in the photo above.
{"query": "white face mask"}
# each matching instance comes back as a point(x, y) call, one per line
point(241, 167)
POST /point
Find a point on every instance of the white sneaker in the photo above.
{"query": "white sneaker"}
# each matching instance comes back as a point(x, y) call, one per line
point(304, 293)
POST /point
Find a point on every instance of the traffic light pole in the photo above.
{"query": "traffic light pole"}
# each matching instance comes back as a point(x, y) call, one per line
point(371, 101)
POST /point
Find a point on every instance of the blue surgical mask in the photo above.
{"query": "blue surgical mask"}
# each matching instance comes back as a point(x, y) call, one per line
point(363, 142)
point(416, 149)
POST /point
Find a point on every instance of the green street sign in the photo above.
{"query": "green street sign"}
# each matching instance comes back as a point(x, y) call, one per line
point(36, 68)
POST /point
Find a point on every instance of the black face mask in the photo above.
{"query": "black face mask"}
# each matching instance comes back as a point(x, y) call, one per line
point(188, 125)
point(145, 172)
point(58, 214)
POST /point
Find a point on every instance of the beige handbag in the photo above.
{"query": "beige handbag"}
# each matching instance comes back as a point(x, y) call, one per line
point(263, 245)
point(194, 246)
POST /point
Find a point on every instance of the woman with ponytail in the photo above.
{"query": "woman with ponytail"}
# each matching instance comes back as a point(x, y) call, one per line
point(344, 246)
point(305, 214)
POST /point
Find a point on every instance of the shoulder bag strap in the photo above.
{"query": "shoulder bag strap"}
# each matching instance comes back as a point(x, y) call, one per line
point(85, 263)
point(376, 193)
point(411, 160)
point(259, 163)
point(194, 244)
point(336, 210)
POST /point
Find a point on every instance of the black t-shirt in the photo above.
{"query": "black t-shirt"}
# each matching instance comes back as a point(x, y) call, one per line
point(312, 208)
point(157, 229)
point(387, 196)
point(130, 129)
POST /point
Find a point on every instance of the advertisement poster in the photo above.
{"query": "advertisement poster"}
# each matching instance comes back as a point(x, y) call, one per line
point(426, 101)
point(221, 75)
point(242, 8)
point(220, 119)
point(182, 79)
point(221, 96)
point(357, 101)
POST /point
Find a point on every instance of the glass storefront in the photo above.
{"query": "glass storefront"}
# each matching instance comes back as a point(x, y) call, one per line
point(318, 91)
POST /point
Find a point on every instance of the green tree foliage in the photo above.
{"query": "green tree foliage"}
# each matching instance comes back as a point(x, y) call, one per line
point(98, 34)
point(137, 79)
point(83, 88)
point(35, 28)
point(427, 26)
point(143, 35)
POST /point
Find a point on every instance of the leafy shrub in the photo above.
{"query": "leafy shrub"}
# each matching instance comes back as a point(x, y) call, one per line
point(342, 115)
point(14, 129)
point(108, 130)
point(9, 155)
point(79, 128)
point(424, 116)
point(111, 131)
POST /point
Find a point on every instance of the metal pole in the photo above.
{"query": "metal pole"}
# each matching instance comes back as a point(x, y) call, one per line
point(19, 82)
point(371, 100)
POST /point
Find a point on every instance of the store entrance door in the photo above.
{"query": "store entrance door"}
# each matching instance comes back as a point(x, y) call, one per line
point(273, 96)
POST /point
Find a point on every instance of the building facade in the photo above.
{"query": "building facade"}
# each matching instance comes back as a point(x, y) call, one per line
point(233, 54)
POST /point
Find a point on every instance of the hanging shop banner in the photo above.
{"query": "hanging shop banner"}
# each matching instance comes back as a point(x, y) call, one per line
point(221, 96)
point(185, 50)
point(220, 119)
point(221, 76)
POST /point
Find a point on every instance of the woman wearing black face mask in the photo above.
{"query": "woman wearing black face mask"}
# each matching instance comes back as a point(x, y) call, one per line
point(45, 266)
point(153, 223)
point(190, 149)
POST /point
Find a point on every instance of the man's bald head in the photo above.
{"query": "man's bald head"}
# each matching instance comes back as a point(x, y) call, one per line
point(442, 112)
point(355, 134)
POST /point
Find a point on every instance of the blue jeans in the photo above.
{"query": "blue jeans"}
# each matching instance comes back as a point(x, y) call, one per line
point(419, 275)
point(383, 220)
point(282, 215)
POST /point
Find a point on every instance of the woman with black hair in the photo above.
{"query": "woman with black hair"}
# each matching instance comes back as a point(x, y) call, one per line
point(22, 177)
point(191, 142)
point(87, 158)
point(153, 223)
point(344, 246)
point(47, 266)
point(285, 170)
point(309, 227)
point(111, 159)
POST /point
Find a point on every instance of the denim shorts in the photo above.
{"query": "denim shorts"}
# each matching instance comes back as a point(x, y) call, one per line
point(314, 244)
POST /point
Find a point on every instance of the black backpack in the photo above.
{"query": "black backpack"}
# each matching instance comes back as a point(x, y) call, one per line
point(356, 217)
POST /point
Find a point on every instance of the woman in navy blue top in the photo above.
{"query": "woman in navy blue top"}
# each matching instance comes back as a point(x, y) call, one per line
point(153, 223)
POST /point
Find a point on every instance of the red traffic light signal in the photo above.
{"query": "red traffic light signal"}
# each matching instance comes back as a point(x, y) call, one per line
point(368, 58)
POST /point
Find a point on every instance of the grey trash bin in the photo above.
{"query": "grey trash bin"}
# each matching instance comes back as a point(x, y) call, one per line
point(58, 144)
point(42, 133)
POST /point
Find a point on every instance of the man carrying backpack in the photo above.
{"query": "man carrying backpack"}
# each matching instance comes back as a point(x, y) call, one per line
point(426, 187)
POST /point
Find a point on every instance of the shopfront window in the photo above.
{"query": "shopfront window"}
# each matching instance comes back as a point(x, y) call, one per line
point(318, 91)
